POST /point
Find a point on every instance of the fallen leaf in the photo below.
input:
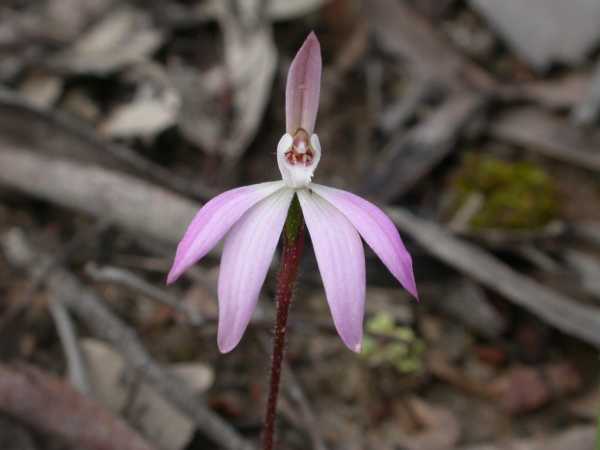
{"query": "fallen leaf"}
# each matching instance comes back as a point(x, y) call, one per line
point(154, 108)
point(123, 37)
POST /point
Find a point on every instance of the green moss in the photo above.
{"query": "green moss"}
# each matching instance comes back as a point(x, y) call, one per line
point(515, 195)
point(387, 344)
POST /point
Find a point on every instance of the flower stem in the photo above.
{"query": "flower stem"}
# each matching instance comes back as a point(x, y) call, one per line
point(293, 247)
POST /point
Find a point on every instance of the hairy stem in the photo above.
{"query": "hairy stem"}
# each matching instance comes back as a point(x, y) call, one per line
point(293, 246)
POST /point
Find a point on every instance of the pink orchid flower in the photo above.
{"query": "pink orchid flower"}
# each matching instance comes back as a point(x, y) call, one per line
point(251, 219)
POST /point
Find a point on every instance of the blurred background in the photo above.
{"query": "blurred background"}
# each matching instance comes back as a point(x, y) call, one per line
point(474, 122)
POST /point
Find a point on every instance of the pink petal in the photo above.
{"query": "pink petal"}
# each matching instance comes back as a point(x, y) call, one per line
point(341, 261)
point(247, 255)
point(303, 87)
point(377, 230)
point(214, 220)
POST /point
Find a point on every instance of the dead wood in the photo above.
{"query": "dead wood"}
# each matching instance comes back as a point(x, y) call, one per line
point(54, 133)
point(127, 201)
point(558, 310)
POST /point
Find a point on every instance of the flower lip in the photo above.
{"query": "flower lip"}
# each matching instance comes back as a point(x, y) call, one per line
point(301, 151)
point(297, 157)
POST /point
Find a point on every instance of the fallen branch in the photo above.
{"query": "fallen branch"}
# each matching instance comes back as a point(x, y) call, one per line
point(124, 200)
point(24, 122)
point(122, 277)
point(46, 403)
point(558, 310)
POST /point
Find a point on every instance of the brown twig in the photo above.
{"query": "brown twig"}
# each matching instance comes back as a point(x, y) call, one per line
point(68, 338)
point(295, 391)
point(125, 278)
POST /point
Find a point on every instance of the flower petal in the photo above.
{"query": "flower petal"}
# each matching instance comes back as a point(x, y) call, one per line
point(341, 261)
point(213, 221)
point(377, 230)
point(247, 254)
point(303, 87)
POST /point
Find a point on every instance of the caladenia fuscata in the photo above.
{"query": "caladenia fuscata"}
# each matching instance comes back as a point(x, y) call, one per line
point(251, 220)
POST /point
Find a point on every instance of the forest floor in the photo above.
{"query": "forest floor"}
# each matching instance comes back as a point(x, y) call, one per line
point(473, 123)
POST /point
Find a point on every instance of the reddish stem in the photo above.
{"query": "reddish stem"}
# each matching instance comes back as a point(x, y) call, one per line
point(290, 261)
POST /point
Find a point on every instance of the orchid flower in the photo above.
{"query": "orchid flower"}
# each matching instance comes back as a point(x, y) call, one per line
point(251, 219)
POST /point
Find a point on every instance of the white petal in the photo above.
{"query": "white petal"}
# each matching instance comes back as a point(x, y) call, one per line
point(213, 221)
point(247, 255)
point(377, 230)
point(303, 87)
point(341, 261)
